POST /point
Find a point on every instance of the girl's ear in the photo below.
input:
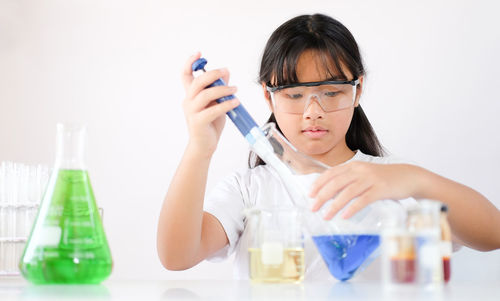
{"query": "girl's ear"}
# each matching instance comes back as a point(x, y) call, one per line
point(359, 91)
point(267, 96)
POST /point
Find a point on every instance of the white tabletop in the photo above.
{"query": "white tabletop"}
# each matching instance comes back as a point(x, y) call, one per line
point(19, 289)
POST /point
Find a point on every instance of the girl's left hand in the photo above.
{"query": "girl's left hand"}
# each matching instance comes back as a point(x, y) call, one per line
point(366, 183)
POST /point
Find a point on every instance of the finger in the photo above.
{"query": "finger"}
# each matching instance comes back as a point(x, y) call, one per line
point(331, 188)
point(187, 71)
point(225, 78)
point(219, 109)
point(345, 196)
point(361, 202)
point(205, 97)
point(204, 80)
point(326, 177)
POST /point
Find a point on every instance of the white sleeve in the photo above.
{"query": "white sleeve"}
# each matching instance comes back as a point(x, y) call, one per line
point(225, 202)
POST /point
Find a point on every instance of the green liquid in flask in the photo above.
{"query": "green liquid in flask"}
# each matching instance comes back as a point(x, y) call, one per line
point(67, 243)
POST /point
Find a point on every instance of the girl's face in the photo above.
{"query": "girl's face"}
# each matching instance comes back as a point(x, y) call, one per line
point(317, 133)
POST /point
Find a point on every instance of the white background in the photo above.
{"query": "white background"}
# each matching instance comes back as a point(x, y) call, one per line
point(431, 95)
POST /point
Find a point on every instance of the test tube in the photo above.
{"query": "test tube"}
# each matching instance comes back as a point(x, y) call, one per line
point(21, 188)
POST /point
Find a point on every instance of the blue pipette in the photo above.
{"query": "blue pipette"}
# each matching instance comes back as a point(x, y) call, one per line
point(255, 137)
point(239, 115)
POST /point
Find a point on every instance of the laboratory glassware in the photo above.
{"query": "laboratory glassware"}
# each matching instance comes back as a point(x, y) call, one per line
point(412, 252)
point(424, 223)
point(21, 187)
point(276, 253)
point(67, 243)
point(347, 246)
point(446, 244)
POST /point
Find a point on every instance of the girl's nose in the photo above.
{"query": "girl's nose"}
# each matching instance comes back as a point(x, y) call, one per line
point(313, 109)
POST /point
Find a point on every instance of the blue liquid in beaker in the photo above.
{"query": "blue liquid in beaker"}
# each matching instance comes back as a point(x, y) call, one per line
point(344, 254)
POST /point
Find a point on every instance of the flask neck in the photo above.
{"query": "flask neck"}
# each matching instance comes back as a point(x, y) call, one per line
point(70, 146)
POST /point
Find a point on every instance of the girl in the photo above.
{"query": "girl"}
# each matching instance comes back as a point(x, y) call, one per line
point(323, 120)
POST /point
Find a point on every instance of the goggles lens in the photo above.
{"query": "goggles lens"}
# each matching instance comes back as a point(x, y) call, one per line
point(331, 97)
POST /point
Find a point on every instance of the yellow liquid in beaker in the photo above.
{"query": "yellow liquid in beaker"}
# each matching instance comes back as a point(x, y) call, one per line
point(291, 268)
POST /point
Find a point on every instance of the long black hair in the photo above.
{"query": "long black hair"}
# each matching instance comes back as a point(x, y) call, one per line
point(335, 44)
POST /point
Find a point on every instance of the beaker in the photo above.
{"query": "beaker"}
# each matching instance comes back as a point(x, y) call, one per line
point(67, 243)
point(276, 251)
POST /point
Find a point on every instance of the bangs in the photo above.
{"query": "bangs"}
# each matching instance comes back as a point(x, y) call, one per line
point(331, 60)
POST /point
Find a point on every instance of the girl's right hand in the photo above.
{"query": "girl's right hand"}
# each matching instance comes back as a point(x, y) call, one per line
point(204, 116)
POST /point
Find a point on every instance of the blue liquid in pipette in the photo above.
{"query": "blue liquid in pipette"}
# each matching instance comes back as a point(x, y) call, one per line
point(344, 254)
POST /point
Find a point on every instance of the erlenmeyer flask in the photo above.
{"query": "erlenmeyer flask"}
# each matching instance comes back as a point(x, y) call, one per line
point(67, 243)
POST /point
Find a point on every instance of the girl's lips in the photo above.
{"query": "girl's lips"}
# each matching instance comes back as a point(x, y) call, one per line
point(315, 133)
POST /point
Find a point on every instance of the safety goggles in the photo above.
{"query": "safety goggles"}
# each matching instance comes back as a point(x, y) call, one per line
point(330, 95)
